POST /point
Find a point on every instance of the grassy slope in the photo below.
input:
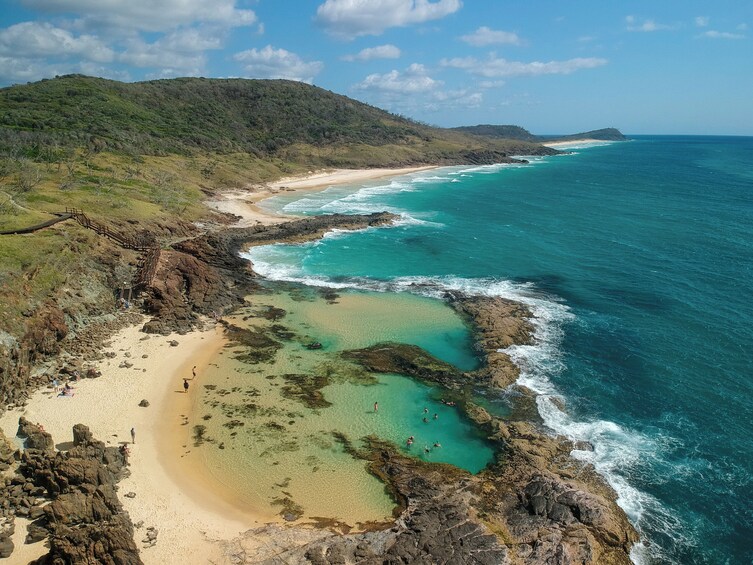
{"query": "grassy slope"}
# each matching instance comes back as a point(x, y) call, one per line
point(145, 155)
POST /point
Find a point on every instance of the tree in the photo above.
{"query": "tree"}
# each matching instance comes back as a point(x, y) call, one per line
point(28, 176)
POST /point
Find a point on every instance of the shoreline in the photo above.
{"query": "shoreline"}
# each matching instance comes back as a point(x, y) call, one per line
point(577, 143)
point(174, 491)
point(189, 521)
point(245, 202)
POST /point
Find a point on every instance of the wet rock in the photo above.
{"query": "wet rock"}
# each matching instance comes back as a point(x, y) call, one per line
point(498, 323)
point(408, 360)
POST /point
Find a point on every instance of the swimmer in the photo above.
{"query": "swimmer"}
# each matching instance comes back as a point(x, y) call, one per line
point(437, 444)
point(436, 416)
point(426, 420)
point(426, 449)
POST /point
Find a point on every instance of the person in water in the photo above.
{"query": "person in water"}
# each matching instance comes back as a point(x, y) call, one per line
point(376, 407)
point(437, 444)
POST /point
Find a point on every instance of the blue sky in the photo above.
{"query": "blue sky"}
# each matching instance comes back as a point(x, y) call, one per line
point(668, 67)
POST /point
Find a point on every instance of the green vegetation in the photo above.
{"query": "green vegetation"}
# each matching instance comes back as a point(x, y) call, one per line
point(516, 132)
point(44, 120)
point(143, 156)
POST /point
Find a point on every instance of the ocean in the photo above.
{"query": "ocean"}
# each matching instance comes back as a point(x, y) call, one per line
point(636, 259)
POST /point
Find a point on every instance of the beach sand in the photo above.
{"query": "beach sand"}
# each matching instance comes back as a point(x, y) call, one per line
point(173, 492)
point(575, 143)
point(245, 203)
point(187, 516)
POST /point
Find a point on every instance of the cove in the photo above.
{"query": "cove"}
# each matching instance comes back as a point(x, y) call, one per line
point(274, 425)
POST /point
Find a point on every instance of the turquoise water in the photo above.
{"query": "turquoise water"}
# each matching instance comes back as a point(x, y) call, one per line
point(264, 443)
point(636, 258)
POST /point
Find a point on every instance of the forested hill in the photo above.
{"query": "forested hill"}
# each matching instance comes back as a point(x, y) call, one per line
point(518, 133)
point(182, 116)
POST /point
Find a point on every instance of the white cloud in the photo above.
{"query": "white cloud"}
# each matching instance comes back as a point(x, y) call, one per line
point(485, 36)
point(646, 26)
point(370, 53)
point(414, 79)
point(413, 90)
point(353, 18)
point(702, 21)
point(148, 15)
point(190, 40)
point(179, 53)
point(277, 63)
point(37, 39)
point(713, 34)
point(169, 54)
point(495, 67)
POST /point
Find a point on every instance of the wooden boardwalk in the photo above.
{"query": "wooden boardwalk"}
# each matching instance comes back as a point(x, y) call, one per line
point(147, 245)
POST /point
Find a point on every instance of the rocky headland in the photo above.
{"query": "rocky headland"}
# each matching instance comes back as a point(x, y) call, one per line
point(535, 504)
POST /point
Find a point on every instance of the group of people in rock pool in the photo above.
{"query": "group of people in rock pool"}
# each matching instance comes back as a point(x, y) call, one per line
point(409, 442)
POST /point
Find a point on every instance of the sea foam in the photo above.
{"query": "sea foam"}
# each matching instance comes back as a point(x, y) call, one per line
point(616, 453)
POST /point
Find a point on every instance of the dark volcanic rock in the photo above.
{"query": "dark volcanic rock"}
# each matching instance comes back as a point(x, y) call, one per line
point(407, 360)
point(36, 437)
point(81, 434)
point(206, 275)
point(436, 523)
point(6, 547)
point(85, 520)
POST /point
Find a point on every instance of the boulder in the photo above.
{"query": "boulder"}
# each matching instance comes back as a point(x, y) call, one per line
point(81, 435)
point(36, 437)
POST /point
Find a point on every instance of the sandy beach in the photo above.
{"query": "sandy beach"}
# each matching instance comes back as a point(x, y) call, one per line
point(575, 143)
point(245, 203)
point(187, 516)
point(173, 490)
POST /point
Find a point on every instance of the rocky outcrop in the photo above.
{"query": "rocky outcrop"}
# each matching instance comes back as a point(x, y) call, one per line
point(544, 506)
point(445, 515)
point(183, 288)
point(71, 498)
point(206, 275)
point(498, 323)
point(410, 360)
point(35, 436)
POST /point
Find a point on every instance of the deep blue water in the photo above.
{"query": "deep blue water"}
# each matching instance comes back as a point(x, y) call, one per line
point(637, 258)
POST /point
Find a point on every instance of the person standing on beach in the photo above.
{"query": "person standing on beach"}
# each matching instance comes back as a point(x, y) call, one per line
point(185, 385)
point(193, 371)
point(133, 435)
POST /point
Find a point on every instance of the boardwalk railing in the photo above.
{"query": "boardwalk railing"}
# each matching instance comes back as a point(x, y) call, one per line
point(147, 266)
point(129, 242)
